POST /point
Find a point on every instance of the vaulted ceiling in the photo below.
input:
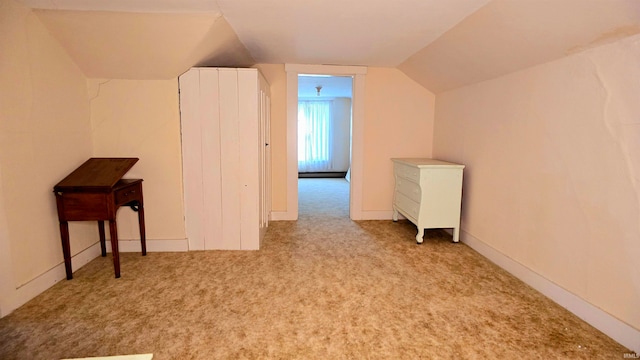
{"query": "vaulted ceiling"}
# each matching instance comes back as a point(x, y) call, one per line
point(442, 44)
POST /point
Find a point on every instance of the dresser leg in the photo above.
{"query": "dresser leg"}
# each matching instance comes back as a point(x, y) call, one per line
point(456, 235)
point(113, 230)
point(395, 215)
point(66, 249)
point(419, 236)
point(103, 240)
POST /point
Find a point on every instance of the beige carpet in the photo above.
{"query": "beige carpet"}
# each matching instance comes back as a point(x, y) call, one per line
point(323, 287)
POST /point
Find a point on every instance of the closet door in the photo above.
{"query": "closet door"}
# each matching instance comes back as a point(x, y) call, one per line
point(232, 178)
point(211, 165)
point(249, 159)
point(253, 94)
point(226, 157)
point(201, 159)
point(190, 128)
point(265, 156)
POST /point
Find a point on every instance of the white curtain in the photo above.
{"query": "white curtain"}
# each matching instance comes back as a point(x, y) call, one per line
point(314, 136)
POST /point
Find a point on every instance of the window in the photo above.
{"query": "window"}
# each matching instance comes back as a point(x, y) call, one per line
point(314, 136)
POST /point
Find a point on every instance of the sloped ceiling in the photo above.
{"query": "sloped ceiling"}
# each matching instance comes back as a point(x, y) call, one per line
point(126, 45)
point(144, 39)
point(441, 44)
point(364, 32)
point(509, 35)
point(143, 6)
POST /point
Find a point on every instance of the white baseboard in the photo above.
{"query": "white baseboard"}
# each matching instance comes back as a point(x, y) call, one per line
point(153, 245)
point(283, 216)
point(38, 285)
point(363, 215)
point(618, 330)
point(27, 291)
point(118, 357)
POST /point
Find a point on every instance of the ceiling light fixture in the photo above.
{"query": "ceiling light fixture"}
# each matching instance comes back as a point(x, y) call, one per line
point(318, 88)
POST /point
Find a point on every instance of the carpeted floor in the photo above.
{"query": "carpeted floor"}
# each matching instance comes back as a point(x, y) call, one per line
point(323, 287)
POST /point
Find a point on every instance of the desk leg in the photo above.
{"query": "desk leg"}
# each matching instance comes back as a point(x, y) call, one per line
point(113, 230)
point(143, 236)
point(103, 240)
point(66, 249)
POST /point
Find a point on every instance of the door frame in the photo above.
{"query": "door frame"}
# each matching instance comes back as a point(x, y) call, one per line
point(357, 136)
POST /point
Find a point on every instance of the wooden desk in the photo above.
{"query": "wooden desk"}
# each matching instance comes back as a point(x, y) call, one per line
point(95, 191)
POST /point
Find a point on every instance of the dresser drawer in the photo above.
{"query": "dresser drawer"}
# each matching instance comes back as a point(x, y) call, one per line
point(408, 188)
point(407, 206)
point(408, 172)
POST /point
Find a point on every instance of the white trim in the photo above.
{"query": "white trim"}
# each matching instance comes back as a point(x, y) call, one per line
point(292, 145)
point(7, 276)
point(153, 245)
point(281, 216)
point(357, 140)
point(357, 148)
point(38, 285)
point(598, 318)
point(118, 357)
point(364, 215)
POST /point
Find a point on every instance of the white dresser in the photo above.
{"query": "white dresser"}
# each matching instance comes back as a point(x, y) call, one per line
point(428, 192)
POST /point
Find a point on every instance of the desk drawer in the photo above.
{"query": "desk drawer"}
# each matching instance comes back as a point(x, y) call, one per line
point(407, 172)
point(129, 193)
point(83, 206)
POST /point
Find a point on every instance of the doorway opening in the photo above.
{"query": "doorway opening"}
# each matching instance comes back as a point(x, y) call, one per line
point(324, 143)
point(357, 135)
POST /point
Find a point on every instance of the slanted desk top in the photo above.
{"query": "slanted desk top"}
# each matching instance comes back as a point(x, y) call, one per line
point(96, 175)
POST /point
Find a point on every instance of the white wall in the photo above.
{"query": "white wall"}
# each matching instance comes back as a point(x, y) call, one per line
point(399, 115)
point(44, 134)
point(141, 118)
point(398, 122)
point(341, 127)
point(277, 78)
point(51, 121)
point(553, 168)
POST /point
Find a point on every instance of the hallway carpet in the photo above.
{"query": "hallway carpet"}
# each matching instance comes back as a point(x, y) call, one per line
point(324, 287)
